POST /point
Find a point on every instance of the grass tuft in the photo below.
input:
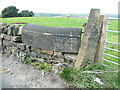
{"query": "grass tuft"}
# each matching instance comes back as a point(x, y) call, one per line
point(79, 79)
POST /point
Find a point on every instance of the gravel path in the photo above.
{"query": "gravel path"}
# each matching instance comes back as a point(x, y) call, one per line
point(18, 75)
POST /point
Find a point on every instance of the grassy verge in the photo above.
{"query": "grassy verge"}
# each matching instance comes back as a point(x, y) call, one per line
point(82, 79)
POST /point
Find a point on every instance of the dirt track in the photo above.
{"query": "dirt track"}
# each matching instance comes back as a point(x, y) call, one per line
point(18, 75)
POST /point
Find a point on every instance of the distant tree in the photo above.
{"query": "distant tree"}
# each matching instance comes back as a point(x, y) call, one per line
point(10, 11)
point(26, 13)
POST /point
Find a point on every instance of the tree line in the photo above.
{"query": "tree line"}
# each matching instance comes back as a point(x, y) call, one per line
point(12, 11)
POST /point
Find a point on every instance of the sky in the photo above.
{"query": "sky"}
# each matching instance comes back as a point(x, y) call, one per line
point(63, 6)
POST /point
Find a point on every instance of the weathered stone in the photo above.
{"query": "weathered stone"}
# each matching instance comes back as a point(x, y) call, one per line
point(47, 52)
point(6, 43)
point(0, 47)
point(7, 37)
point(16, 38)
point(71, 57)
point(35, 50)
point(58, 59)
point(14, 48)
point(1, 29)
point(6, 25)
point(58, 55)
point(12, 26)
point(9, 32)
point(52, 38)
point(0, 41)
point(21, 46)
point(4, 30)
point(20, 30)
point(1, 35)
point(15, 30)
point(13, 44)
point(45, 56)
point(90, 39)
point(4, 47)
point(28, 49)
point(33, 54)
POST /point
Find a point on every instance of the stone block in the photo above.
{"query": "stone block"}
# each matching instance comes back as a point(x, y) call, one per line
point(28, 49)
point(58, 59)
point(35, 50)
point(14, 48)
point(58, 54)
point(0, 47)
point(5, 30)
point(45, 56)
point(0, 41)
point(15, 30)
point(20, 30)
point(70, 57)
point(13, 44)
point(1, 35)
point(33, 54)
point(47, 52)
point(57, 39)
point(21, 46)
point(16, 38)
point(9, 32)
point(12, 27)
point(1, 29)
point(6, 43)
point(7, 37)
point(3, 47)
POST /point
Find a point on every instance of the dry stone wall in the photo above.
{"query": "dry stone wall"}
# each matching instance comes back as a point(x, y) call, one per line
point(11, 44)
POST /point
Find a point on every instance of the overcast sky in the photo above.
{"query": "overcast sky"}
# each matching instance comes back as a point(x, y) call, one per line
point(62, 6)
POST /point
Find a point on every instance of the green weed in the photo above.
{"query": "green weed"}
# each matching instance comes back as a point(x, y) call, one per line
point(40, 65)
point(78, 79)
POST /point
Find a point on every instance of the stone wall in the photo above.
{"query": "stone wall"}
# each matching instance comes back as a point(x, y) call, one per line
point(11, 44)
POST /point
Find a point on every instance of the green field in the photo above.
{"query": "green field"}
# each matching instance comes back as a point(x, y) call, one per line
point(48, 21)
point(71, 22)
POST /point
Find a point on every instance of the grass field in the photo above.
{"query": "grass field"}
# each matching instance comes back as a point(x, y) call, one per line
point(48, 21)
point(76, 78)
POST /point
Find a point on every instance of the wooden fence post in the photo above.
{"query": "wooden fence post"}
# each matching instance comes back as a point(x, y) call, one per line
point(101, 43)
point(90, 39)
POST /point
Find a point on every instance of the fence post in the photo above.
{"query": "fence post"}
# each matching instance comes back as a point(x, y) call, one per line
point(90, 39)
point(101, 43)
